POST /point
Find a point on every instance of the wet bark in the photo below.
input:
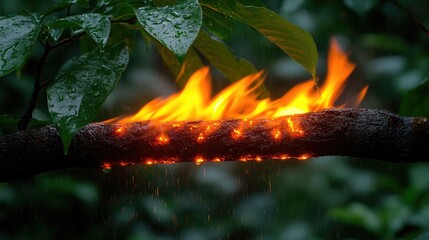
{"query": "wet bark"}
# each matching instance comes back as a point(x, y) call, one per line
point(362, 133)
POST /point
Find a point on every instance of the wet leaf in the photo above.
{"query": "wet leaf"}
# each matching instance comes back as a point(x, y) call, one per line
point(293, 40)
point(97, 26)
point(174, 26)
point(18, 35)
point(81, 86)
point(416, 102)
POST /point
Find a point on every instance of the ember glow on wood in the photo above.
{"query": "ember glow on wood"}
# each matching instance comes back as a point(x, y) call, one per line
point(240, 99)
point(362, 133)
point(234, 124)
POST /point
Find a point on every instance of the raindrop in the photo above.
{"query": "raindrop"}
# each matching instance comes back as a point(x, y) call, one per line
point(175, 14)
point(97, 93)
point(61, 97)
point(187, 16)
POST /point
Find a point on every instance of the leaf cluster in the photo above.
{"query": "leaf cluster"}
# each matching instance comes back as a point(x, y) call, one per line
point(186, 33)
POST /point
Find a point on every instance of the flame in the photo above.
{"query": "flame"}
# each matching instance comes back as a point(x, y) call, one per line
point(240, 99)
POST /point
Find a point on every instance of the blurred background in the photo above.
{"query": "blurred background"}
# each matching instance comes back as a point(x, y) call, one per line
point(320, 198)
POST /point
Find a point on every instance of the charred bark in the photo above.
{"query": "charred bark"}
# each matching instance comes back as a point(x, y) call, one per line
point(362, 133)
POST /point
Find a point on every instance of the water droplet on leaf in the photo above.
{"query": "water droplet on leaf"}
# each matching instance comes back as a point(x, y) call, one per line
point(175, 13)
point(187, 16)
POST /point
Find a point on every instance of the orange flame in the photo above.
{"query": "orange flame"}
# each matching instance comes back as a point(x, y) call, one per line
point(240, 100)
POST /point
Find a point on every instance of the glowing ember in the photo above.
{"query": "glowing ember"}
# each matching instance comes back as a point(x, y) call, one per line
point(199, 161)
point(240, 100)
point(163, 139)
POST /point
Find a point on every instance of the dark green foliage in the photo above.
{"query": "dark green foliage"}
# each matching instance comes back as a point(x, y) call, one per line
point(81, 86)
point(97, 26)
point(174, 25)
point(322, 198)
point(18, 35)
point(293, 40)
point(416, 101)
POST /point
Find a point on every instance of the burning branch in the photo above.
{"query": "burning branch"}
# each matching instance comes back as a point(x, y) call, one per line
point(363, 133)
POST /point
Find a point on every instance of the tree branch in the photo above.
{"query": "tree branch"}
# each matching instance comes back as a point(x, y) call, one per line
point(362, 133)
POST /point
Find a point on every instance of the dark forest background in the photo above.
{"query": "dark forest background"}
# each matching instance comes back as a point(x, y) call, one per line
point(320, 198)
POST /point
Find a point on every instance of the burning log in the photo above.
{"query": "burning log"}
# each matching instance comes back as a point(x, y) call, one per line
point(362, 133)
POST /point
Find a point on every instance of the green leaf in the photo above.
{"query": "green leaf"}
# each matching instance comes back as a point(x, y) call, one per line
point(293, 40)
point(60, 6)
point(81, 86)
point(358, 215)
point(97, 26)
point(232, 67)
point(121, 11)
point(416, 101)
point(218, 54)
point(8, 124)
point(394, 213)
point(119, 33)
point(175, 26)
point(217, 23)
point(18, 35)
point(182, 72)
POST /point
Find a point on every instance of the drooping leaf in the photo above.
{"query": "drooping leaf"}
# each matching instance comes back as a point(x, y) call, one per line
point(17, 37)
point(81, 86)
point(416, 101)
point(97, 26)
point(175, 26)
point(182, 72)
point(293, 40)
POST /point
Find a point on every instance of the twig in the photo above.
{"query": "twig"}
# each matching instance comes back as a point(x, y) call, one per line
point(26, 117)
